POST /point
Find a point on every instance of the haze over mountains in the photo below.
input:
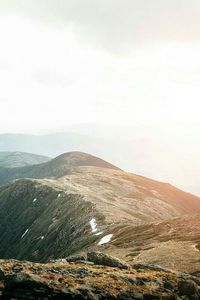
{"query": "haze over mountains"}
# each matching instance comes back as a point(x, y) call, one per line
point(99, 150)
point(20, 159)
point(133, 148)
point(53, 144)
point(83, 203)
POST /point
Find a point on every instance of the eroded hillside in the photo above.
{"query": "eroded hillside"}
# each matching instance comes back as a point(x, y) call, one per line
point(98, 208)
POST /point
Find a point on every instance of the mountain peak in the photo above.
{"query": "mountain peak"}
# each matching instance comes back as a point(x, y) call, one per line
point(55, 168)
point(78, 158)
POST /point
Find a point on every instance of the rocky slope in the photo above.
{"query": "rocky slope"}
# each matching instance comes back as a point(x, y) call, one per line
point(86, 204)
point(94, 208)
point(92, 280)
point(173, 244)
point(56, 167)
point(123, 196)
point(20, 159)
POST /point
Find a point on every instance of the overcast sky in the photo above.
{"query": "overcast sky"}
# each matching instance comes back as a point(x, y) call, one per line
point(98, 61)
point(125, 63)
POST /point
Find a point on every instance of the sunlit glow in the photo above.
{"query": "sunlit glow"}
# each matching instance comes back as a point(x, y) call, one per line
point(49, 79)
point(62, 77)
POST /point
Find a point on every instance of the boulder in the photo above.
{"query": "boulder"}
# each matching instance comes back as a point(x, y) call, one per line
point(2, 275)
point(99, 258)
point(18, 283)
point(76, 258)
point(189, 288)
point(153, 267)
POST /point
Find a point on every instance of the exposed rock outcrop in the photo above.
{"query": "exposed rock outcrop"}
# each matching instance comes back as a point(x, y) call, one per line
point(103, 259)
point(64, 280)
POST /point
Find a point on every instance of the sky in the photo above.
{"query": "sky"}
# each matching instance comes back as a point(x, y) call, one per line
point(110, 62)
point(131, 65)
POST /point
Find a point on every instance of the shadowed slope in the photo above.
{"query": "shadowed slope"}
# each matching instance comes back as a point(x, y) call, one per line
point(52, 218)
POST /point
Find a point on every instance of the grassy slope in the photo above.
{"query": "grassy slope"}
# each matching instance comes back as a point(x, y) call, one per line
point(63, 221)
point(86, 192)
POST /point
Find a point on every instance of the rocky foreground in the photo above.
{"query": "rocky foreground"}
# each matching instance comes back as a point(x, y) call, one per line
point(96, 276)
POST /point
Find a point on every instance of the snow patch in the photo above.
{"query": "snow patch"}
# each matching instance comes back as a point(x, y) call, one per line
point(93, 225)
point(99, 233)
point(106, 239)
point(42, 237)
point(34, 200)
point(59, 195)
point(24, 233)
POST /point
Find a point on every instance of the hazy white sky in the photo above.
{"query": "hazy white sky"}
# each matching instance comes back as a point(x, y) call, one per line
point(134, 64)
point(105, 62)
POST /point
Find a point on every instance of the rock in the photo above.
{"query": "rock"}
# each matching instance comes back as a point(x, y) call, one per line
point(151, 297)
point(79, 260)
point(153, 267)
point(76, 258)
point(24, 282)
point(170, 297)
point(52, 270)
point(169, 284)
point(30, 287)
point(78, 273)
point(196, 273)
point(17, 268)
point(100, 258)
point(129, 296)
point(126, 279)
point(2, 275)
point(85, 262)
point(82, 282)
point(188, 288)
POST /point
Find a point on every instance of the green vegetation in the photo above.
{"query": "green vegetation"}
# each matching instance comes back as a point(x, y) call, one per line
point(57, 223)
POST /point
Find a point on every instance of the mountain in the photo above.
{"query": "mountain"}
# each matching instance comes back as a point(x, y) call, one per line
point(39, 222)
point(54, 168)
point(146, 151)
point(96, 207)
point(173, 244)
point(20, 159)
point(53, 144)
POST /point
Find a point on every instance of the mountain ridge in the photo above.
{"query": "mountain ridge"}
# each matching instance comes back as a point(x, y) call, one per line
point(55, 167)
point(88, 208)
point(81, 203)
point(20, 159)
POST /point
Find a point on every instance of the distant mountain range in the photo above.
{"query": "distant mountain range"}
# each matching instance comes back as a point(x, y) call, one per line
point(149, 155)
point(20, 159)
point(50, 145)
point(78, 202)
